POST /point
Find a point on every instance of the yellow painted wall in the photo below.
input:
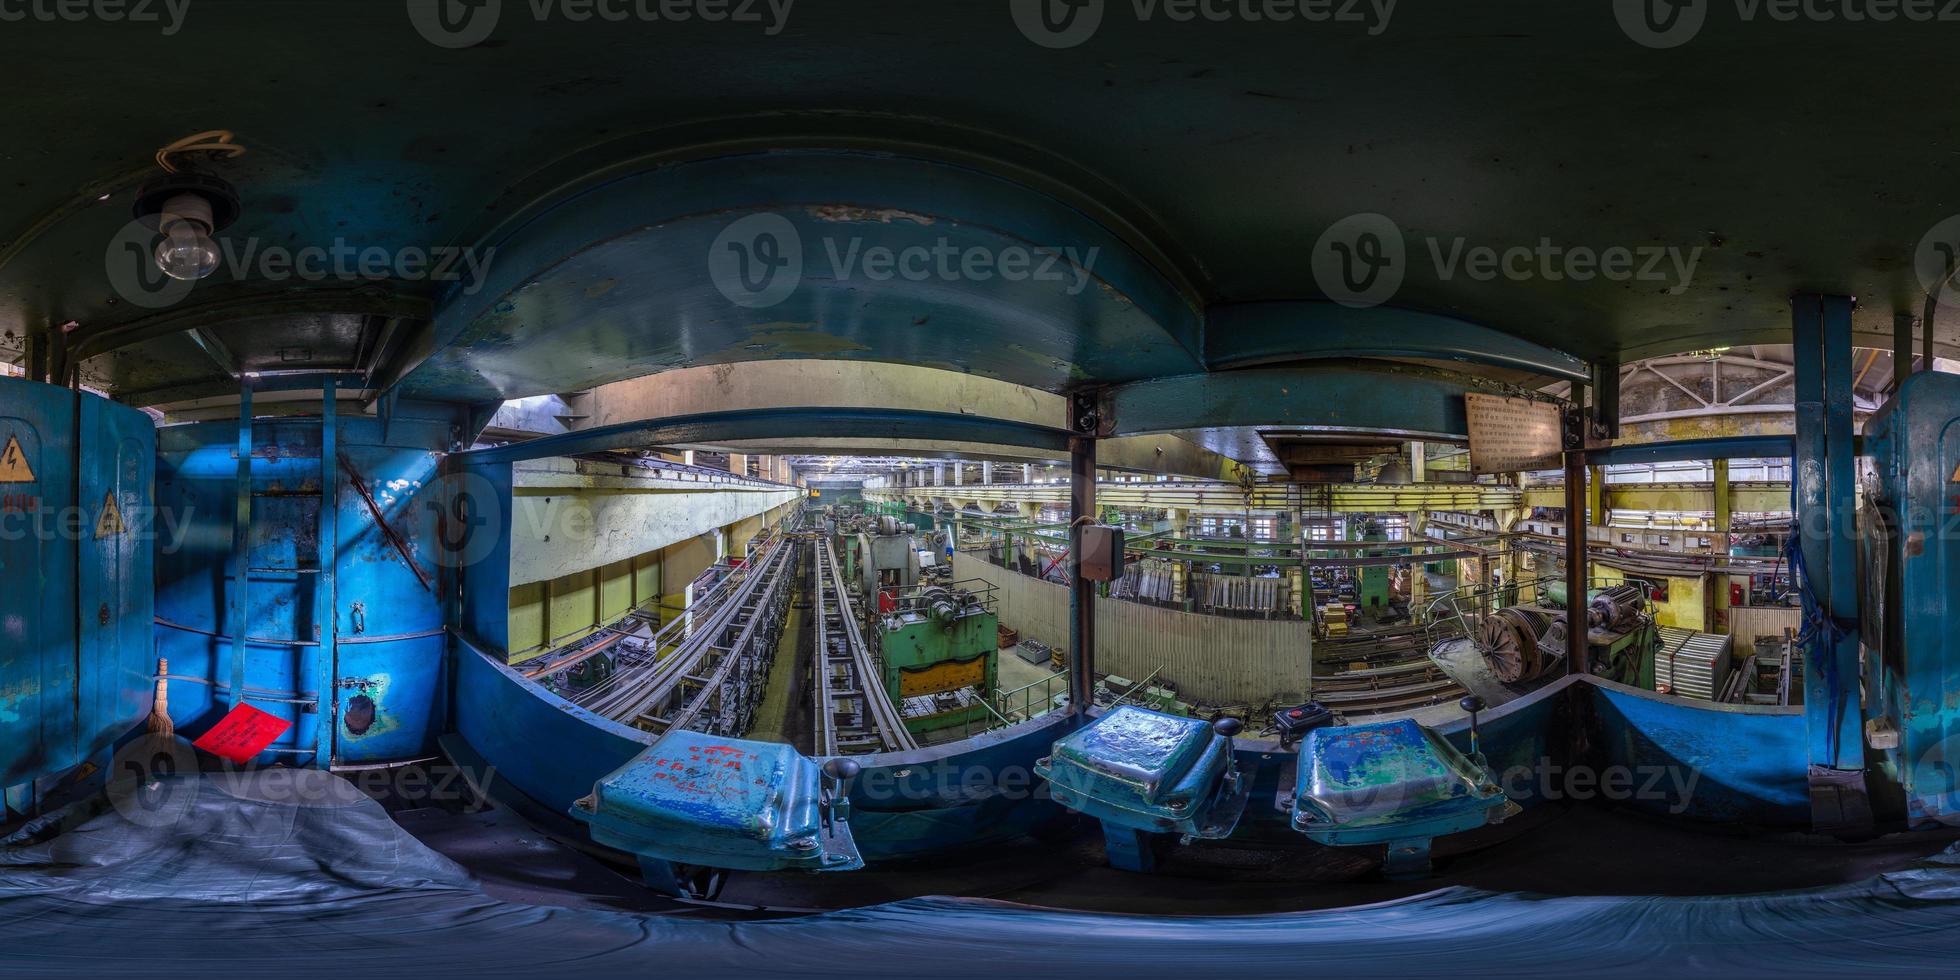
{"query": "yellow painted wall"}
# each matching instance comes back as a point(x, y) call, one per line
point(742, 532)
point(680, 563)
point(548, 615)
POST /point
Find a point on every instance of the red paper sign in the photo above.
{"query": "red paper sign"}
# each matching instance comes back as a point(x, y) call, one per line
point(243, 734)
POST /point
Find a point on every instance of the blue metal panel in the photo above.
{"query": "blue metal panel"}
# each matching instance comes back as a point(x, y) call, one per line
point(615, 281)
point(37, 655)
point(323, 591)
point(1241, 335)
point(478, 539)
point(1395, 783)
point(386, 623)
point(1825, 494)
point(1721, 763)
point(75, 654)
point(904, 804)
point(118, 591)
point(240, 620)
point(1145, 770)
point(720, 802)
point(1915, 442)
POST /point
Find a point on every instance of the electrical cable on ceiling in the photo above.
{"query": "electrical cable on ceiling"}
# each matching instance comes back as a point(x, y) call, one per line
point(209, 141)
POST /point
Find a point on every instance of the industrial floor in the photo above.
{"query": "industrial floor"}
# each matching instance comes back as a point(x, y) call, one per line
point(785, 714)
point(1575, 850)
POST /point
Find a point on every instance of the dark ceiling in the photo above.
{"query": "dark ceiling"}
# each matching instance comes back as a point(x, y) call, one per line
point(1795, 156)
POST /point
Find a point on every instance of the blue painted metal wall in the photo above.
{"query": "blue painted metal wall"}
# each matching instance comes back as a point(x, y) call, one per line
point(903, 804)
point(1735, 763)
point(76, 655)
point(1700, 761)
point(387, 618)
point(1915, 444)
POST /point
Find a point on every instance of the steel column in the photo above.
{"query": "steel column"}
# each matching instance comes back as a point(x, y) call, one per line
point(1081, 592)
point(1823, 474)
point(1724, 505)
point(324, 613)
point(1901, 348)
point(1575, 551)
point(241, 546)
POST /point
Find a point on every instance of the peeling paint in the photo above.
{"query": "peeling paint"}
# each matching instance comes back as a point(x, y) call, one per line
point(847, 212)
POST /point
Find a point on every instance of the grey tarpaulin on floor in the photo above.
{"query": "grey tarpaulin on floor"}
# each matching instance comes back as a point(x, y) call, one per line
point(299, 875)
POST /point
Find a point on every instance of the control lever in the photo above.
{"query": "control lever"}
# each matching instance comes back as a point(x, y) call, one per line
point(1229, 727)
point(838, 772)
point(1473, 704)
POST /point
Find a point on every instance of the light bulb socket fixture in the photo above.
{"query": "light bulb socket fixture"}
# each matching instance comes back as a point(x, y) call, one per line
point(187, 196)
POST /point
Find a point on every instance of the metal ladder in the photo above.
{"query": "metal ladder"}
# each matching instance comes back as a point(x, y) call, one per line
point(323, 592)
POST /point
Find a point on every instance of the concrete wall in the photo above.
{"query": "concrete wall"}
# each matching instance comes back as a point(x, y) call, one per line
point(587, 549)
point(1214, 659)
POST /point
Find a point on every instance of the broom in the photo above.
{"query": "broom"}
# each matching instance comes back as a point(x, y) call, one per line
point(160, 709)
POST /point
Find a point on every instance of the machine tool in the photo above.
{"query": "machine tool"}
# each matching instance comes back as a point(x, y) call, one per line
point(1521, 642)
point(936, 641)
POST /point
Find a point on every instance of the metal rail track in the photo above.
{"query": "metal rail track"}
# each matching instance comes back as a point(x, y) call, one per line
point(712, 678)
point(853, 714)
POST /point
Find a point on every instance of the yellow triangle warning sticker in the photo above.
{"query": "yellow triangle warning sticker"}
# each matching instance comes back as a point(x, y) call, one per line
point(110, 524)
point(13, 463)
point(1955, 478)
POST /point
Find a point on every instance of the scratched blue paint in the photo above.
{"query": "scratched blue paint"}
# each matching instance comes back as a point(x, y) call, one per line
point(1695, 760)
point(546, 752)
point(75, 667)
point(1388, 781)
point(1914, 440)
point(388, 625)
point(721, 802)
point(613, 281)
point(1145, 770)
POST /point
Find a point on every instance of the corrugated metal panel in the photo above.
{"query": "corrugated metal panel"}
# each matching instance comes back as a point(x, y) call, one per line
point(1746, 623)
point(1214, 659)
point(1692, 664)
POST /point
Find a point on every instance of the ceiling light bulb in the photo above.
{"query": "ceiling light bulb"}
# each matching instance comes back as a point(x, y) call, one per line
point(187, 251)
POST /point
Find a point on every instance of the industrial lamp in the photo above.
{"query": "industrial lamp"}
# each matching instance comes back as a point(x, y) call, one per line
point(187, 208)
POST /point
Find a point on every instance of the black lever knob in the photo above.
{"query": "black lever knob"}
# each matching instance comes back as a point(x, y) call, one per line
point(1472, 704)
point(842, 769)
point(1228, 727)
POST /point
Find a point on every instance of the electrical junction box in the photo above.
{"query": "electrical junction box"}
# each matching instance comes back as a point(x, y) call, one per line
point(1102, 553)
